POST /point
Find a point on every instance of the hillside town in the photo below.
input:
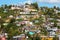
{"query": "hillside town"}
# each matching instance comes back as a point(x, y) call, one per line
point(29, 22)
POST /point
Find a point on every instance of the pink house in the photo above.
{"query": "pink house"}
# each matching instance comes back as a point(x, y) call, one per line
point(3, 38)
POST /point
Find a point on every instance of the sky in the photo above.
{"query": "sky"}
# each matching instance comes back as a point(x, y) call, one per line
point(48, 3)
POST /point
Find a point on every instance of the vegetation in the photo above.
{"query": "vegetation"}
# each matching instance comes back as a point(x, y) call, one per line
point(12, 30)
point(35, 5)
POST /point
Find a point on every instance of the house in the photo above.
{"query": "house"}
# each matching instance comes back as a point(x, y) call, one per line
point(53, 29)
point(11, 16)
point(58, 24)
point(28, 23)
point(18, 7)
point(47, 37)
point(28, 14)
point(29, 7)
point(5, 23)
point(59, 36)
point(13, 8)
point(58, 31)
point(20, 37)
point(52, 33)
point(18, 17)
point(30, 11)
point(7, 20)
point(3, 36)
point(57, 11)
point(58, 20)
point(0, 16)
point(34, 12)
point(50, 18)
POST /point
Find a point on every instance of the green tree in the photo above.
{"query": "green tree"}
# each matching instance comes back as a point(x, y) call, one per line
point(35, 5)
point(12, 20)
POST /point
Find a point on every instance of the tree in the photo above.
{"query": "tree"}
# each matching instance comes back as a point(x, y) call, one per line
point(37, 38)
point(26, 4)
point(5, 6)
point(1, 21)
point(55, 7)
point(55, 20)
point(12, 20)
point(12, 30)
point(9, 6)
point(55, 38)
point(35, 5)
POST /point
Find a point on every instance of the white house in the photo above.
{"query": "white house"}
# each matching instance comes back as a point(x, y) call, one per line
point(53, 29)
point(59, 36)
point(52, 33)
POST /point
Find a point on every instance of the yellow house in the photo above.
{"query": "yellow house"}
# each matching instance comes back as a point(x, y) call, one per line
point(7, 20)
point(50, 38)
point(46, 38)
